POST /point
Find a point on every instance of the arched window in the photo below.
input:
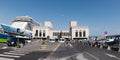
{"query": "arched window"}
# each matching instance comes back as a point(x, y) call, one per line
point(40, 33)
point(36, 33)
point(80, 33)
point(43, 33)
point(76, 33)
point(84, 33)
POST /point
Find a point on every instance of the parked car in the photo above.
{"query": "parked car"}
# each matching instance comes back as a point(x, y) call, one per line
point(102, 42)
point(52, 40)
point(12, 41)
point(62, 40)
point(88, 41)
point(112, 42)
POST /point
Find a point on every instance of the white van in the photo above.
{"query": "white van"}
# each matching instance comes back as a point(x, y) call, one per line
point(52, 40)
point(62, 40)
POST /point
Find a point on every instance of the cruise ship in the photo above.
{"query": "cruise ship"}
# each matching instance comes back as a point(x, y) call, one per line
point(22, 25)
point(21, 28)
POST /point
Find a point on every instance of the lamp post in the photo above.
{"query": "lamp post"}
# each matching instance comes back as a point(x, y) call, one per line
point(18, 43)
point(71, 32)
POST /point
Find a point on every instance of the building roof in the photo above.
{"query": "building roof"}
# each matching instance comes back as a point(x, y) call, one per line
point(80, 27)
point(43, 27)
point(25, 19)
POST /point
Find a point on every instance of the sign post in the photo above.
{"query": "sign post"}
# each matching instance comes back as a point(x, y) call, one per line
point(105, 33)
point(18, 43)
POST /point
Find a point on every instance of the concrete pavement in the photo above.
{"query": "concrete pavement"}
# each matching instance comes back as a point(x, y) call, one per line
point(95, 53)
point(31, 51)
point(82, 52)
point(59, 51)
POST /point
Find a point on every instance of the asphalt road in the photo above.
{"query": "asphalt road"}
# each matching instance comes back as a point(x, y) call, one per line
point(4, 50)
point(63, 52)
point(82, 52)
point(95, 53)
point(32, 51)
point(60, 51)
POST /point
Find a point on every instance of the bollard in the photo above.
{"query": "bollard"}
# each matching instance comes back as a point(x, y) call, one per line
point(108, 48)
point(21, 45)
point(95, 45)
point(91, 45)
point(18, 45)
point(119, 49)
point(98, 46)
point(101, 46)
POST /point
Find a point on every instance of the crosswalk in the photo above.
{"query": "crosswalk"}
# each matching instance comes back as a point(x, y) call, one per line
point(12, 55)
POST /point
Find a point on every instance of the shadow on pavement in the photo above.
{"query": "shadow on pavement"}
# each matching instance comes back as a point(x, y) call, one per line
point(35, 55)
point(64, 51)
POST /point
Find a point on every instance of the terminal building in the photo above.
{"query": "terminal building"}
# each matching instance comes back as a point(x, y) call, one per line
point(28, 25)
point(47, 32)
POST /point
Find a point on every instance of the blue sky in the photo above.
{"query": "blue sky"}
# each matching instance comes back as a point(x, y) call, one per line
point(99, 15)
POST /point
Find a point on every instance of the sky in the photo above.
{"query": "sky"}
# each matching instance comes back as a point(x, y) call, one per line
point(99, 15)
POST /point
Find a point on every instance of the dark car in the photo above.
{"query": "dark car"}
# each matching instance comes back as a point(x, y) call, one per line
point(12, 42)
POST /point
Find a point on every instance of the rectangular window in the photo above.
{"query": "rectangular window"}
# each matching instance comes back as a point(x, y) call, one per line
point(40, 33)
point(80, 34)
point(84, 34)
point(43, 33)
point(53, 34)
point(76, 34)
point(36, 33)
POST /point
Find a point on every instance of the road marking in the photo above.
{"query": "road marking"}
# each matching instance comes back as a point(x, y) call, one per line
point(110, 55)
point(70, 44)
point(56, 47)
point(13, 53)
point(21, 52)
point(47, 58)
point(81, 57)
point(4, 47)
point(1, 58)
point(9, 56)
point(92, 56)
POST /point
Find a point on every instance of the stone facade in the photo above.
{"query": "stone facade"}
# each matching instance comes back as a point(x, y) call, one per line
point(75, 32)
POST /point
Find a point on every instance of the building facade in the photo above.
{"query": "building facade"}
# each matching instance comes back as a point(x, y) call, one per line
point(75, 32)
point(78, 32)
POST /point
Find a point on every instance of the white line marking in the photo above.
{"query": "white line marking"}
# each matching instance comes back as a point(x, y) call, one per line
point(13, 53)
point(70, 44)
point(81, 57)
point(52, 52)
point(1, 58)
point(56, 47)
point(4, 47)
point(9, 56)
point(110, 55)
point(21, 52)
point(92, 56)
